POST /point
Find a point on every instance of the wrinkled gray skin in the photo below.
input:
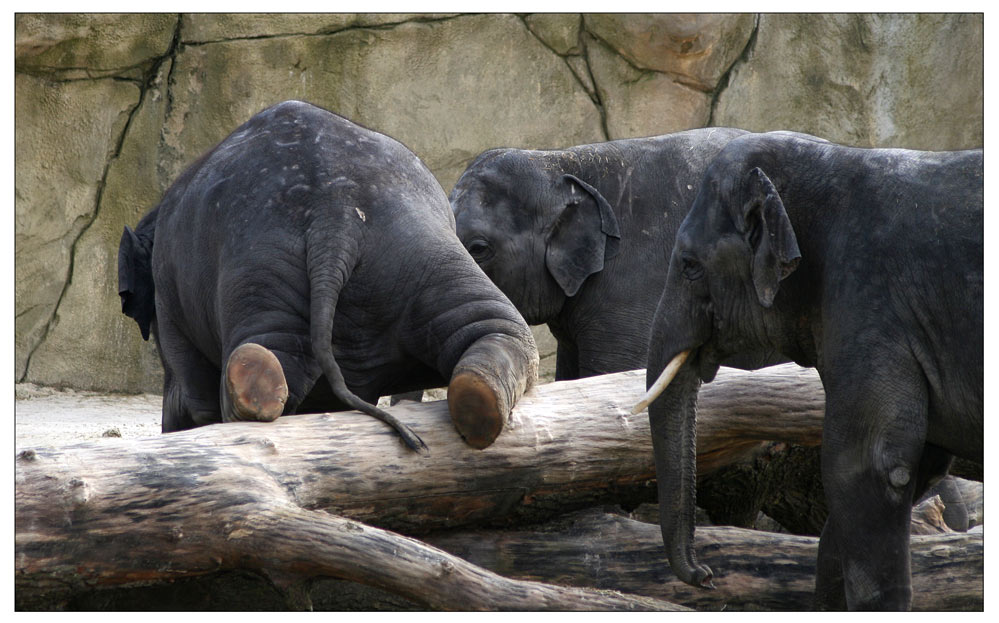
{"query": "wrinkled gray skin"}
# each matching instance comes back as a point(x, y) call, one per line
point(579, 238)
point(332, 246)
point(868, 265)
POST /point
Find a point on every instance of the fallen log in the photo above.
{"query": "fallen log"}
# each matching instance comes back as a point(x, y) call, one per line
point(740, 410)
point(568, 443)
point(952, 505)
point(753, 570)
point(121, 511)
point(289, 544)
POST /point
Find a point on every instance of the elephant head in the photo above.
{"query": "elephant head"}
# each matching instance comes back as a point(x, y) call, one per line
point(732, 251)
point(535, 230)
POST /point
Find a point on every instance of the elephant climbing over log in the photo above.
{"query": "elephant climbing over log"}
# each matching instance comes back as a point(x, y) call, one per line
point(306, 264)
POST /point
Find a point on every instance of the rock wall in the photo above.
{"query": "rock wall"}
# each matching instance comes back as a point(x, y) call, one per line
point(110, 108)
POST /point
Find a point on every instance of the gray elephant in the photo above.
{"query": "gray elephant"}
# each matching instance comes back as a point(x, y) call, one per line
point(866, 264)
point(308, 264)
point(579, 238)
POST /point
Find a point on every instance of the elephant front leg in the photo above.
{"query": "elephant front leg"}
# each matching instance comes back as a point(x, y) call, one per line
point(829, 592)
point(873, 439)
point(566, 361)
point(485, 385)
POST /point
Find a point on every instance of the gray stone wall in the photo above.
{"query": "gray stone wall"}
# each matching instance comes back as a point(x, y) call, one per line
point(110, 108)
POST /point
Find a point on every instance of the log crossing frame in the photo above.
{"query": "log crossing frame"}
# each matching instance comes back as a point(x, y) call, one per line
point(317, 494)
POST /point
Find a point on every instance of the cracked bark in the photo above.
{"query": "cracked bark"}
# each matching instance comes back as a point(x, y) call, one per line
point(264, 498)
point(285, 498)
point(756, 570)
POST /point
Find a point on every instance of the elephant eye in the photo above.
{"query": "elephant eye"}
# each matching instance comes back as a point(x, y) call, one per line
point(480, 250)
point(691, 269)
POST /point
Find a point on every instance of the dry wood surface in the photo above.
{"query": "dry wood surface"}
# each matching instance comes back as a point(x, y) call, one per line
point(287, 497)
point(571, 442)
point(753, 570)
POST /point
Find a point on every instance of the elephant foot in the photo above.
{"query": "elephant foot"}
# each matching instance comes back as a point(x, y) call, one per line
point(255, 385)
point(475, 409)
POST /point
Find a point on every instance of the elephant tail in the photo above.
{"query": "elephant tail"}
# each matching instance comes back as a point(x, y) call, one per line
point(329, 267)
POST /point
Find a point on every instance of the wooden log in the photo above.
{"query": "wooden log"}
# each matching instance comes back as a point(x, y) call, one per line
point(265, 531)
point(753, 570)
point(568, 444)
point(955, 499)
point(740, 410)
point(125, 511)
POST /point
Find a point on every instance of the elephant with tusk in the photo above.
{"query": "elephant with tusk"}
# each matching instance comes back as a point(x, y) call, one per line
point(866, 264)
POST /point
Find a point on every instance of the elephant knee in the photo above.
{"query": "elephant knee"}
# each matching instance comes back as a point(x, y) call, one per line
point(864, 484)
point(899, 476)
point(896, 480)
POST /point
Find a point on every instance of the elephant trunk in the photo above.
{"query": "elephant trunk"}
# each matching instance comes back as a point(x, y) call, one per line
point(672, 417)
point(489, 378)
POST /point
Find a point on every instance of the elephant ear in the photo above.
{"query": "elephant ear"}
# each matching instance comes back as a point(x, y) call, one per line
point(584, 236)
point(770, 236)
point(135, 280)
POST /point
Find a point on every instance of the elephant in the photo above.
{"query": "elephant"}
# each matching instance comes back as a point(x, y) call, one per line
point(576, 237)
point(308, 264)
point(866, 264)
point(579, 239)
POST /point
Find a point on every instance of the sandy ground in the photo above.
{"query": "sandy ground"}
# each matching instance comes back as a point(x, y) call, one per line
point(45, 416)
point(48, 417)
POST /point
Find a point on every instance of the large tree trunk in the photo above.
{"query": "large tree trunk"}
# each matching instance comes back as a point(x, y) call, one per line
point(569, 444)
point(271, 534)
point(256, 496)
point(753, 570)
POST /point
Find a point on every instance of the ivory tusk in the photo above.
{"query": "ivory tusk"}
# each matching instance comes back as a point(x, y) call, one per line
point(662, 382)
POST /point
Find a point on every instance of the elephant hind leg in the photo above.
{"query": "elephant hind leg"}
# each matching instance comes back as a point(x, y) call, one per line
point(255, 388)
point(265, 373)
point(190, 386)
point(486, 382)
